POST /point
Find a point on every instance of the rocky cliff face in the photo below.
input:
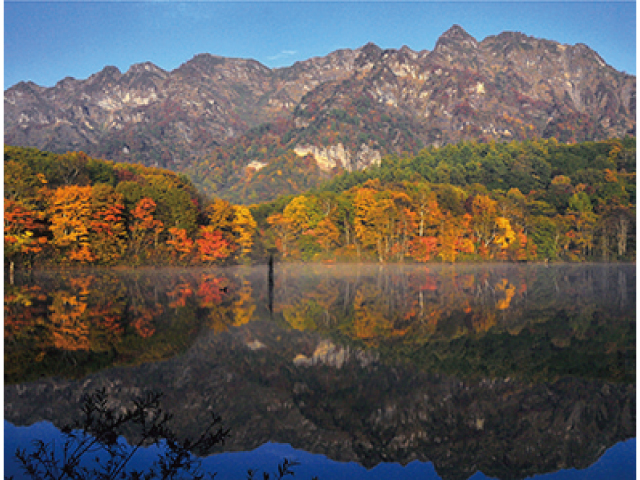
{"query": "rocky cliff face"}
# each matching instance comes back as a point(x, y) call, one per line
point(345, 109)
point(205, 102)
point(336, 156)
point(505, 87)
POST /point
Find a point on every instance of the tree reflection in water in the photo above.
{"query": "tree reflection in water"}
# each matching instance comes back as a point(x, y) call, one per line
point(510, 370)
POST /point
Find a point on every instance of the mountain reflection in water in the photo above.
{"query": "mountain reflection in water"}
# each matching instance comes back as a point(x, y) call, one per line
point(509, 370)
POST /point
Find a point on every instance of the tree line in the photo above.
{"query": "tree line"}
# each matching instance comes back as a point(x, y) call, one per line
point(73, 209)
point(536, 200)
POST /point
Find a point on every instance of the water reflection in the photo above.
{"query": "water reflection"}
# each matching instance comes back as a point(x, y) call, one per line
point(519, 321)
point(510, 370)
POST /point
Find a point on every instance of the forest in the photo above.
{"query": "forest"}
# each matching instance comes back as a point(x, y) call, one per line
point(533, 200)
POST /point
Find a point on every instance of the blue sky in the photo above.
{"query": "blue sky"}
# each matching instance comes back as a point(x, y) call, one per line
point(47, 41)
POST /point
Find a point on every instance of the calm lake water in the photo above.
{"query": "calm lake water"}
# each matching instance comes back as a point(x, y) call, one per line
point(356, 371)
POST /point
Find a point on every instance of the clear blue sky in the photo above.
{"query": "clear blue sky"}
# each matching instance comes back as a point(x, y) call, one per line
point(47, 41)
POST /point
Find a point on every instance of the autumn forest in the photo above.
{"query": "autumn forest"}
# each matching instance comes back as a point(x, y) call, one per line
point(536, 200)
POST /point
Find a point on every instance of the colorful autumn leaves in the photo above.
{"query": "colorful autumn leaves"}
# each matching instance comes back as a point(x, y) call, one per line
point(529, 201)
point(372, 222)
point(73, 210)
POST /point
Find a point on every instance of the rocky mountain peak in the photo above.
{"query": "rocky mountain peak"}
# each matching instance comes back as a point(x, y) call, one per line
point(368, 56)
point(143, 67)
point(370, 51)
point(507, 87)
point(107, 77)
point(456, 46)
point(108, 72)
point(510, 37)
point(144, 76)
point(202, 62)
point(28, 86)
point(458, 35)
point(67, 83)
point(405, 54)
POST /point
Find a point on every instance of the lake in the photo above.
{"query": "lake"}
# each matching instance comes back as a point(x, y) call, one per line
point(356, 371)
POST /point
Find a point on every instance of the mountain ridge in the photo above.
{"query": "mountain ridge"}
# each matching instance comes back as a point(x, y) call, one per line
point(378, 101)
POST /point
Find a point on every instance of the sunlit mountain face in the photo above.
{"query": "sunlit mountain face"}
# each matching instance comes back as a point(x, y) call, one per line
point(508, 370)
point(221, 120)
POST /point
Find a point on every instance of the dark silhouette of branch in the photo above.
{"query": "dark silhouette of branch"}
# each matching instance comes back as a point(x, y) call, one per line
point(92, 450)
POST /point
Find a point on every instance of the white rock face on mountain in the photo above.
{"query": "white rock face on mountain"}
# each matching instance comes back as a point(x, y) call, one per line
point(337, 156)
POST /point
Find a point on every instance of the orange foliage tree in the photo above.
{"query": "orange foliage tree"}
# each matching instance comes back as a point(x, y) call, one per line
point(144, 227)
point(107, 229)
point(70, 215)
point(180, 245)
point(212, 246)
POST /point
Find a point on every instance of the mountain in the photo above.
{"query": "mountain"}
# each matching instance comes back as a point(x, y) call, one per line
point(223, 120)
point(352, 408)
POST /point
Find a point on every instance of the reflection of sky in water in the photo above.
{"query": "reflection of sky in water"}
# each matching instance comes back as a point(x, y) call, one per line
point(619, 462)
point(328, 331)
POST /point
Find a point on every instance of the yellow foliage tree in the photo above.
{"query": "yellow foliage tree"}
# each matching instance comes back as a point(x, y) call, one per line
point(221, 215)
point(380, 221)
point(452, 237)
point(504, 234)
point(244, 227)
